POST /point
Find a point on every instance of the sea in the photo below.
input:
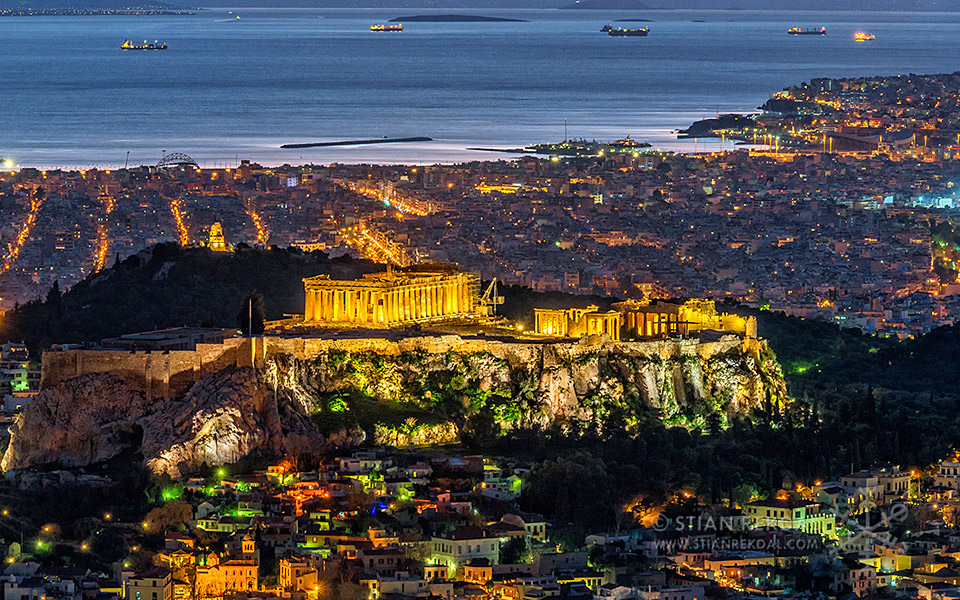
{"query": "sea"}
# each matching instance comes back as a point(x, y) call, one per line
point(230, 88)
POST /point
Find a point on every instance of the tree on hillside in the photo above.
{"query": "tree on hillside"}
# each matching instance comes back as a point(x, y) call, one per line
point(251, 316)
point(53, 299)
point(169, 517)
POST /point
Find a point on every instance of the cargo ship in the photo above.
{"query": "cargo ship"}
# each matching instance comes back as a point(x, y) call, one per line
point(387, 27)
point(863, 37)
point(621, 32)
point(802, 31)
point(129, 45)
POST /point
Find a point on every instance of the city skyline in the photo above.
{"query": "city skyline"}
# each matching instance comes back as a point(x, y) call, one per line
point(480, 303)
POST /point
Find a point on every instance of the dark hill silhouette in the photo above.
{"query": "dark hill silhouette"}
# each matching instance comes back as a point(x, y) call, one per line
point(168, 286)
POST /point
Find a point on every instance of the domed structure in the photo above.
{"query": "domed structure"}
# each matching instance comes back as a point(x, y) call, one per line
point(177, 160)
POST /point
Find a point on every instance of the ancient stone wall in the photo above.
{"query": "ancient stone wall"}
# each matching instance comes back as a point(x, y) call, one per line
point(169, 374)
point(158, 374)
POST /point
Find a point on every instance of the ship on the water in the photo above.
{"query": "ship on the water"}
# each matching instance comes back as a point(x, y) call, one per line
point(606, 28)
point(621, 32)
point(861, 36)
point(130, 45)
point(811, 31)
point(387, 27)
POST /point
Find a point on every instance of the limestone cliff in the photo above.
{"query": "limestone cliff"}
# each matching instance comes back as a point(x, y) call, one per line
point(220, 420)
point(415, 391)
point(95, 417)
point(85, 420)
point(681, 382)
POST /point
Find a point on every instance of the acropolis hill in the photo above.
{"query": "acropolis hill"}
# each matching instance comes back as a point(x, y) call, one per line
point(339, 383)
point(217, 403)
point(221, 402)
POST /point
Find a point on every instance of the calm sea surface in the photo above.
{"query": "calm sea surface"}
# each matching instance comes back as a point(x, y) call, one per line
point(229, 88)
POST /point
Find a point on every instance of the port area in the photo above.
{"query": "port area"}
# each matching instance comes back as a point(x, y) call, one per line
point(575, 148)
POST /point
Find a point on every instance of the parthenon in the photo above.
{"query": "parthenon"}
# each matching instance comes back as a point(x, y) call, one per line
point(407, 296)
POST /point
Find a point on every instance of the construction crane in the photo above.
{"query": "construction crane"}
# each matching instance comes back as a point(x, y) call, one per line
point(487, 304)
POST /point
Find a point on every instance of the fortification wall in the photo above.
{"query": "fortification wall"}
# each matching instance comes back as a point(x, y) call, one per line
point(169, 374)
point(159, 374)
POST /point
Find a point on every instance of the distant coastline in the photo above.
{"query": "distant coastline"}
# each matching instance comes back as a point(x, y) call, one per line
point(454, 19)
point(606, 5)
point(84, 12)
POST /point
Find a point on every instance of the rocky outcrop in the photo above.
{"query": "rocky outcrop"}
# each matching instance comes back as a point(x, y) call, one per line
point(221, 419)
point(416, 391)
point(414, 434)
point(85, 420)
point(93, 418)
point(684, 382)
